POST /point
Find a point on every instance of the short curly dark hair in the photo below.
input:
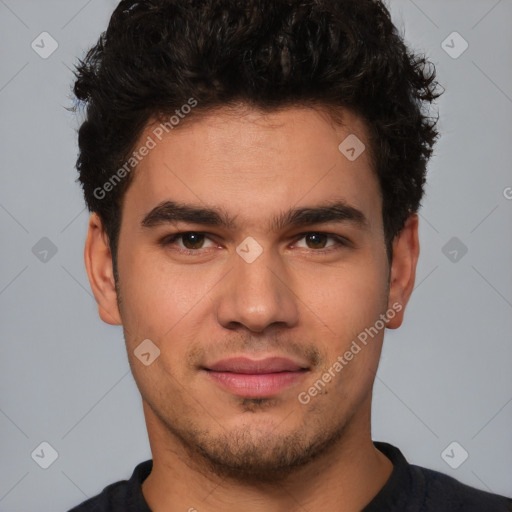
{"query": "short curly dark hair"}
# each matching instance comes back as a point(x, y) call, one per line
point(267, 54)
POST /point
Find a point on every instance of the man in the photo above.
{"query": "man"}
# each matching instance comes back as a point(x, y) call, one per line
point(254, 170)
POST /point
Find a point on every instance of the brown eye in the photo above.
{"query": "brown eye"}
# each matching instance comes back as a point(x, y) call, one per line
point(316, 240)
point(192, 240)
point(188, 242)
point(319, 242)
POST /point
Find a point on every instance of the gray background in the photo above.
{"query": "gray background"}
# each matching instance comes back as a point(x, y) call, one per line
point(64, 376)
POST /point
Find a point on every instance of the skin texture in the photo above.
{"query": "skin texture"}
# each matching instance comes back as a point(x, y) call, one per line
point(213, 450)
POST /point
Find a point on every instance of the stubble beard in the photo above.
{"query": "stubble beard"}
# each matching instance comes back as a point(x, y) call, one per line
point(254, 455)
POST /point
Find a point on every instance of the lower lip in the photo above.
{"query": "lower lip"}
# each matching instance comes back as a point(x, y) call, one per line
point(263, 385)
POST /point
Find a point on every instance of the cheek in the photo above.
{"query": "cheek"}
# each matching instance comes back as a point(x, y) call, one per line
point(349, 371)
point(159, 294)
point(345, 298)
point(169, 305)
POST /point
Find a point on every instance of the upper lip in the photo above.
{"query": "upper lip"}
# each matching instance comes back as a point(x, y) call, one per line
point(256, 366)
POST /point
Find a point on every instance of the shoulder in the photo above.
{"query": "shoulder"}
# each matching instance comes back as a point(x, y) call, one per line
point(110, 499)
point(443, 492)
point(122, 496)
point(418, 489)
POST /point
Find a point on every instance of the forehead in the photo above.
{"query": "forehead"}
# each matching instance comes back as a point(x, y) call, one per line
point(256, 164)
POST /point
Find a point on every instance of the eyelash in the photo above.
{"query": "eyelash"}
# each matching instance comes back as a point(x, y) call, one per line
point(342, 242)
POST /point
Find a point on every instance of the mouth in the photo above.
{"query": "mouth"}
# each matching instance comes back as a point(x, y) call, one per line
point(249, 378)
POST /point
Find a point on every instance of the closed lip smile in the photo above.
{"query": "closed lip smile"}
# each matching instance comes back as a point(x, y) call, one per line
point(256, 378)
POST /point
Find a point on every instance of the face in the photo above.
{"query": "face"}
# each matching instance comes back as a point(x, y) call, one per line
point(255, 286)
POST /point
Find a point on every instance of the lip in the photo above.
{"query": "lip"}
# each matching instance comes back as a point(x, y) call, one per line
point(251, 378)
point(256, 366)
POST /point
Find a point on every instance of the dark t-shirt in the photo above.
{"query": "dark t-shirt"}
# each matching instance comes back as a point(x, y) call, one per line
point(409, 488)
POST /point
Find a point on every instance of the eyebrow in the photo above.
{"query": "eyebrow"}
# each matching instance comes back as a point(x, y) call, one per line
point(337, 211)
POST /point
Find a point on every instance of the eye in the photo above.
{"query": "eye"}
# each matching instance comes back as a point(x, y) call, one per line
point(317, 241)
point(191, 241)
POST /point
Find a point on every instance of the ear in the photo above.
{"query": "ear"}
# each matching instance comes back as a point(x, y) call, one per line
point(406, 250)
point(98, 262)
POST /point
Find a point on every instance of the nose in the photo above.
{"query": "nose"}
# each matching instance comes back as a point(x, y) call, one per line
point(257, 294)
